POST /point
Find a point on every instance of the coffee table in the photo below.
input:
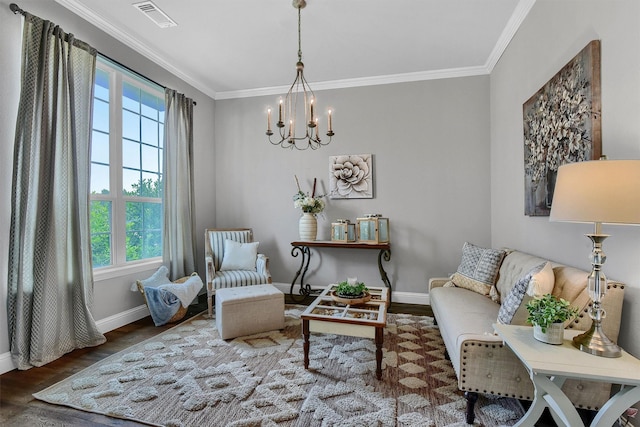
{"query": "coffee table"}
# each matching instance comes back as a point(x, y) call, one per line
point(367, 320)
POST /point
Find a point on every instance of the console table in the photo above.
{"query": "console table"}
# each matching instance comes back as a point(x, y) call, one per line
point(303, 249)
point(550, 365)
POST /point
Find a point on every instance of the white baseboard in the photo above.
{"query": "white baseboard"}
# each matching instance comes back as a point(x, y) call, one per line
point(396, 296)
point(118, 320)
point(6, 364)
point(104, 325)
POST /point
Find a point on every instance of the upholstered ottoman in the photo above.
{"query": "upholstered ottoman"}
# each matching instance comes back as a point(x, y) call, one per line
point(247, 310)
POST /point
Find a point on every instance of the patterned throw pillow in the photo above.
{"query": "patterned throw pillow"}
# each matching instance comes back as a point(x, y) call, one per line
point(515, 296)
point(478, 269)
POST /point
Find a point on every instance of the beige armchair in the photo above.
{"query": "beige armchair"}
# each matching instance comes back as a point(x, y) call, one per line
point(217, 276)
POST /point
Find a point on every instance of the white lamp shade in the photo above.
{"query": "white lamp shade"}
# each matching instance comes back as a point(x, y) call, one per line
point(598, 191)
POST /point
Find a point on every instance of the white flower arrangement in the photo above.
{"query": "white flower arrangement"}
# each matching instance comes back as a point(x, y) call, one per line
point(308, 203)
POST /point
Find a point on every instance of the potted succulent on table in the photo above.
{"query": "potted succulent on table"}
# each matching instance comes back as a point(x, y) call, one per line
point(547, 314)
point(351, 292)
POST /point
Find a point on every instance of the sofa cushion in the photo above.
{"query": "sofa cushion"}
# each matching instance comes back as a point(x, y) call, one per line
point(513, 300)
point(478, 268)
point(462, 313)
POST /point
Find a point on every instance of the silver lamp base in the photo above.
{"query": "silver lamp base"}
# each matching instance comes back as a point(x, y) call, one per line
point(595, 342)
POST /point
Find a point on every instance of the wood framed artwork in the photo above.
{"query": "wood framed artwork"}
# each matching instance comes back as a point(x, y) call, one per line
point(562, 124)
point(351, 176)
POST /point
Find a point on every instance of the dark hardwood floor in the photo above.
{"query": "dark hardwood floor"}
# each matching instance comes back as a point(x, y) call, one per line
point(19, 408)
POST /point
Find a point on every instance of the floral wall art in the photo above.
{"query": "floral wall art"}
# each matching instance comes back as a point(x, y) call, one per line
point(561, 125)
point(351, 176)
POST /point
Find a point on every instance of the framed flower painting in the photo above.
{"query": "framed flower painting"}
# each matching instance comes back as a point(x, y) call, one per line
point(561, 125)
point(351, 176)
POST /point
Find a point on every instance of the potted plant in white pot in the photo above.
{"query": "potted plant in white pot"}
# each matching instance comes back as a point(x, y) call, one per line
point(547, 314)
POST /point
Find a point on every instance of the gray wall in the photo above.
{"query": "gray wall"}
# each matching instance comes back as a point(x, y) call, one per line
point(113, 299)
point(447, 167)
point(551, 35)
point(430, 146)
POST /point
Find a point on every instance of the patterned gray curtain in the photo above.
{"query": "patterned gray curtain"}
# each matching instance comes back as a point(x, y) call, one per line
point(50, 284)
point(178, 241)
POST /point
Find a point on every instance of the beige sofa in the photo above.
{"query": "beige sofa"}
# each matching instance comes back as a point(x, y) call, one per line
point(482, 363)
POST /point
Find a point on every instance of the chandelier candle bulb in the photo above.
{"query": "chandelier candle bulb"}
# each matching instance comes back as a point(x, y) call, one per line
point(330, 121)
point(269, 119)
point(280, 111)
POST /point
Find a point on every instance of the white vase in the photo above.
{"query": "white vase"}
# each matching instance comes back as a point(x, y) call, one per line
point(308, 226)
point(554, 334)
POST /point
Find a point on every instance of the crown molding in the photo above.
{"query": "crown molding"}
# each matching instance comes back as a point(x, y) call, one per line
point(361, 81)
point(519, 14)
point(90, 16)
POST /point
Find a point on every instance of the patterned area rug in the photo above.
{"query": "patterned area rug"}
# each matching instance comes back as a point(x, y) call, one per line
point(188, 376)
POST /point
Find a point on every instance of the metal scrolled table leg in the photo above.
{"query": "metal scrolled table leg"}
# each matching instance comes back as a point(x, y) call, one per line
point(386, 255)
point(305, 290)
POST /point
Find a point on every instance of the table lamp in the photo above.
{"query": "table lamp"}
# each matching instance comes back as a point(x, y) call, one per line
point(598, 191)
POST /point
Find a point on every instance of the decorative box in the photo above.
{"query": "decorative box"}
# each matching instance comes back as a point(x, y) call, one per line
point(343, 231)
point(373, 228)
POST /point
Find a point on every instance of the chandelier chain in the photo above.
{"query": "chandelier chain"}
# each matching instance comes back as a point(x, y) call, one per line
point(299, 38)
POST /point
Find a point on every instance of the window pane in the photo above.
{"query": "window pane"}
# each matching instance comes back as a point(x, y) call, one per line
point(150, 159)
point(150, 185)
point(101, 233)
point(131, 182)
point(100, 147)
point(161, 135)
point(149, 131)
point(130, 97)
point(99, 179)
point(150, 105)
point(144, 230)
point(130, 125)
point(101, 115)
point(130, 154)
point(101, 89)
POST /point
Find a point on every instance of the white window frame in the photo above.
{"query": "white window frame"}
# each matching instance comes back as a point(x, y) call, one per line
point(119, 266)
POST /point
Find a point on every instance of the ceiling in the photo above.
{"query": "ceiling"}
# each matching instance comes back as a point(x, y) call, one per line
point(239, 48)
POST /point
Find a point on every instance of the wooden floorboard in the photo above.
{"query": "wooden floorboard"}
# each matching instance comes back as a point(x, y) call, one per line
point(19, 408)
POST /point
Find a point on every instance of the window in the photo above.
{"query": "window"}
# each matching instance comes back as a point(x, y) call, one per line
point(126, 167)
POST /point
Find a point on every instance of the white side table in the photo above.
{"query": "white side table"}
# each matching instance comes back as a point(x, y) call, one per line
point(550, 365)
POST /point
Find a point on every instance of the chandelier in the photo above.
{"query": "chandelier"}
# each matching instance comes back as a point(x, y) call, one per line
point(291, 105)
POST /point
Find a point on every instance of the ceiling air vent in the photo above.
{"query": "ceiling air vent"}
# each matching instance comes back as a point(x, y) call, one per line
point(154, 13)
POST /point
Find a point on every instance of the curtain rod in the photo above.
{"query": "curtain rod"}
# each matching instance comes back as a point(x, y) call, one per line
point(16, 10)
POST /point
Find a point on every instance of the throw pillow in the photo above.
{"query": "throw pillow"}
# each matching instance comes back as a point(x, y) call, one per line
point(542, 283)
point(514, 298)
point(239, 256)
point(160, 277)
point(478, 268)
